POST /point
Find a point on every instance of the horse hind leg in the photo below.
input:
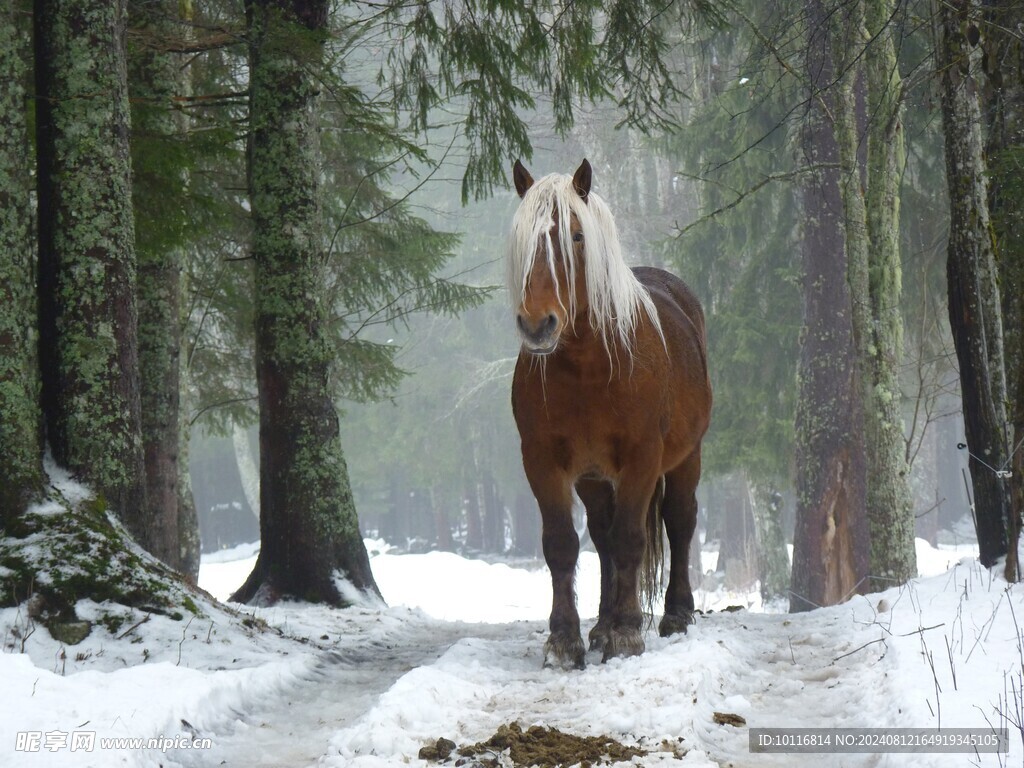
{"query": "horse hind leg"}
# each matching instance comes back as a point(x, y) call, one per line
point(679, 511)
point(598, 497)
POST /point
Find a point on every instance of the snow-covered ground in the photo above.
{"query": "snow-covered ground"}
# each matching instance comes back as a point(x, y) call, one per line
point(458, 653)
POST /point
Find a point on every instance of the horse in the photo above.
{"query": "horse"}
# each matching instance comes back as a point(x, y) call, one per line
point(611, 396)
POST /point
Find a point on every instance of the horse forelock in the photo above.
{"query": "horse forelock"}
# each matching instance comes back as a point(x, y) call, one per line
point(615, 296)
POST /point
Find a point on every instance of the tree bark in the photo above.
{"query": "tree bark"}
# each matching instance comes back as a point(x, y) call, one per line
point(158, 77)
point(889, 505)
point(830, 540)
point(1004, 150)
point(311, 545)
point(88, 319)
point(21, 470)
point(974, 300)
point(772, 556)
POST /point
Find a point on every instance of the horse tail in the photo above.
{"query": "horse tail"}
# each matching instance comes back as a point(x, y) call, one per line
point(654, 552)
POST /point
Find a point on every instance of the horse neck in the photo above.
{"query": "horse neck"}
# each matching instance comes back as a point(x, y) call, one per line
point(583, 349)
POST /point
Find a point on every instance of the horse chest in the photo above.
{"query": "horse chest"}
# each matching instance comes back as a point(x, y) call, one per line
point(588, 423)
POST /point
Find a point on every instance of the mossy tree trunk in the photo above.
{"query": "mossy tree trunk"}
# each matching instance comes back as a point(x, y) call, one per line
point(830, 543)
point(88, 320)
point(866, 121)
point(21, 472)
point(310, 537)
point(880, 341)
point(975, 314)
point(1004, 150)
point(159, 76)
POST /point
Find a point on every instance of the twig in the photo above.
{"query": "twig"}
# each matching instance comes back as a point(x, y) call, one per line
point(949, 655)
point(855, 650)
point(922, 629)
point(133, 627)
point(184, 633)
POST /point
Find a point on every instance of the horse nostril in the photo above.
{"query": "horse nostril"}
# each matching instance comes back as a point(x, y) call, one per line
point(538, 331)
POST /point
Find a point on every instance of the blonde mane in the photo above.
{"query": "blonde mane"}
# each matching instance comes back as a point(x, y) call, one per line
point(616, 296)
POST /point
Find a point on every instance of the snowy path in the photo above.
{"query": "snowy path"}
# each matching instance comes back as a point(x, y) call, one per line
point(292, 726)
point(829, 668)
point(368, 687)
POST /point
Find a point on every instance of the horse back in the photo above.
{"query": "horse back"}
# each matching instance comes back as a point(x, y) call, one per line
point(678, 307)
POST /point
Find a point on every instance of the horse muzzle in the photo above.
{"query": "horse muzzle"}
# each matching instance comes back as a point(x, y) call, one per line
point(539, 337)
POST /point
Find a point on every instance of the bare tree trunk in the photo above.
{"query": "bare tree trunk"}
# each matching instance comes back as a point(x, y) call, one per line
point(493, 515)
point(1003, 150)
point(88, 319)
point(21, 470)
point(474, 527)
point(737, 550)
point(248, 470)
point(442, 526)
point(311, 544)
point(526, 525)
point(158, 78)
point(830, 540)
point(772, 556)
point(974, 303)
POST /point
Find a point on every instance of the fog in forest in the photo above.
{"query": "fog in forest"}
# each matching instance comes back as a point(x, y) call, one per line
point(435, 464)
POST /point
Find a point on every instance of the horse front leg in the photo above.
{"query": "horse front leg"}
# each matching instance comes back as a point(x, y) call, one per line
point(598, 497)
point(628, 539)
point(564, 647)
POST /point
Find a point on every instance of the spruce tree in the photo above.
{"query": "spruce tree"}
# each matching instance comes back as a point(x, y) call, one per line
point(88, 318)
point(309, 532)
point(21, 474)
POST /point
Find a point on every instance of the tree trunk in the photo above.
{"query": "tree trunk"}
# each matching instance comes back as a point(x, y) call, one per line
point(830, 540)
point(526, 525)
point(737, 549)
point(1005, 150)
point(974, 303)
point(88, 321)
point(442, 526)
point(889, 505)
point(474, 526)
point(493, 515)
point(158, 76)
point(772, 556)
point(21, 470)
point(248, 471)
point(311, 544)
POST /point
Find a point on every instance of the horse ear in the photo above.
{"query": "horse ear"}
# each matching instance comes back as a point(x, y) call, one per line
point(522, 178)
point(581, 180)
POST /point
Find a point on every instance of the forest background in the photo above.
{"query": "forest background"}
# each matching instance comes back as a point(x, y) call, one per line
point(839, 180)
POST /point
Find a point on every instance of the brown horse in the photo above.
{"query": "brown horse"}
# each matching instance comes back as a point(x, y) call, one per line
point(611, 396)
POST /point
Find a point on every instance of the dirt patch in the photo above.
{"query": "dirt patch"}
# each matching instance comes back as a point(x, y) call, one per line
point(536, 746)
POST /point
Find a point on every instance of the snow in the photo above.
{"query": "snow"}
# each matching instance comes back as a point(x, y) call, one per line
point(458, 653)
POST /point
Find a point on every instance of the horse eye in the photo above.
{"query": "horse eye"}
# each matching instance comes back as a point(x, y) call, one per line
point(577, 237)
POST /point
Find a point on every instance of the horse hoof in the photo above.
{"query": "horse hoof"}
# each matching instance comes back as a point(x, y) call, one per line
point(675, 623)
point(598, 638)
point(623, 642)
point(564, 651)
